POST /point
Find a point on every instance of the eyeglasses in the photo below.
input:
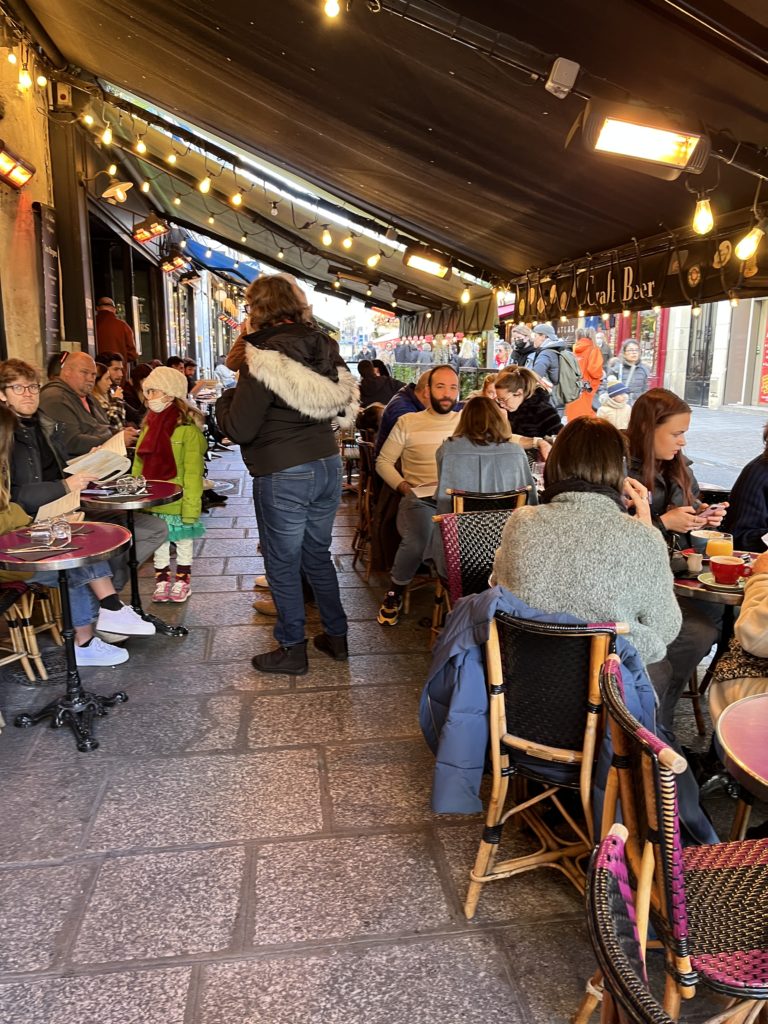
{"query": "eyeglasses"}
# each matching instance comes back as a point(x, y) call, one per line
point(20, 389)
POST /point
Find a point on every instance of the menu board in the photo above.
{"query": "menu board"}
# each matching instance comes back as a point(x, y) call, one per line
point(49, 268)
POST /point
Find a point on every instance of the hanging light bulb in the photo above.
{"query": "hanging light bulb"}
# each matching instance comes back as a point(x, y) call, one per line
point(373, 261)
point(237, 199)
point(204, 185)
point(183, 243)
point(171, 158)
point(347, 242)
point(703, 221)
point(394, 303)
point(657, 309)
point(211, 219)
point(563, 319)
point(176, 201)
point(275, 208)
point(42, 81)
point(337, 283)
point(25, 79)
point(581, 313)
point(208, 254)
point(331, 8)
point(747, 247)
point(606, 317)
point(243, 239)
point(734, 299)
point(236, 265)
point(280, 254)
point(625, 313)
point(369, 290)
point(465, 296)
point(327, 237)
point(12, 58)
point(88, 120)
point(144, 186)
point(141, 146)
point(428, 316)
point(112, 170)
point(106, 136)
point(696, 309)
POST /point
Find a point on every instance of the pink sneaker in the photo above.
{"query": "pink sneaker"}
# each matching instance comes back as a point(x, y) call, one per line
point(180, 591)
point(162, 592)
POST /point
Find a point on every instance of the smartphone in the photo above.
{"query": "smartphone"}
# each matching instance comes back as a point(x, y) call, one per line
point(713, 510)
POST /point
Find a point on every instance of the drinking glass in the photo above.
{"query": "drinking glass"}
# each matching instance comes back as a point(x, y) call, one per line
point(62, 531)
point(720, 544)
point(41, 534)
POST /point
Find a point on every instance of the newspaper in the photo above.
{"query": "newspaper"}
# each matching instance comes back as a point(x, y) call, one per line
point(61, 507)
point(107, 462)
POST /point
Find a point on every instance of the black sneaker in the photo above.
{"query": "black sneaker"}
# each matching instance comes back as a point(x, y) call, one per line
point(289, 661)
point(389, 613)
point(334, 646)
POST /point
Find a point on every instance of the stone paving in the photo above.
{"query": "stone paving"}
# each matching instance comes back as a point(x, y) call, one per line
point(246, 849)
point(722, 441)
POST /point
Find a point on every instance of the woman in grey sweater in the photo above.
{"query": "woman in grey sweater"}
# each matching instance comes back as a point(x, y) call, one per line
point(579, 552)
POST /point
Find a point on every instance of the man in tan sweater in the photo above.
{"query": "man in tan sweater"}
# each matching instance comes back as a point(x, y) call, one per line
point(413, 443)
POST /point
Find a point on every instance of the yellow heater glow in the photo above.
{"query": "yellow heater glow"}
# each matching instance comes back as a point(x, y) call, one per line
point(13, 170)
point(427, 261)
point(657, 145)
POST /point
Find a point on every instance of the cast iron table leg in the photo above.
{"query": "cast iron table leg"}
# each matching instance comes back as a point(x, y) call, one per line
point(133, 566)
point(77, 707)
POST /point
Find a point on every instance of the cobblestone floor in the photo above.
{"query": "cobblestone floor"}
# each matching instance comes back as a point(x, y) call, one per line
point(257, 850)
point(722, 441)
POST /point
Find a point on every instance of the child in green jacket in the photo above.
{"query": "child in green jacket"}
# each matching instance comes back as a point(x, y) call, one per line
point(171, 447)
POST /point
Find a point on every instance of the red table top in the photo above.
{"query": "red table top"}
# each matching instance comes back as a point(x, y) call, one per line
point(99, 542)
point(743, 733)
point(159, 492)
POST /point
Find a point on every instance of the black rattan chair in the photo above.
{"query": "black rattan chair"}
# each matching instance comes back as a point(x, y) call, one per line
point(613, 930)
point(545, 724)
point(477, 501)
point(708, 904)
point(366, 496)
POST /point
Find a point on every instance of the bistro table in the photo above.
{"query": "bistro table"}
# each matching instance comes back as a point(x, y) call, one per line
point(158, 492)
point(742, 729)
point(94, 542)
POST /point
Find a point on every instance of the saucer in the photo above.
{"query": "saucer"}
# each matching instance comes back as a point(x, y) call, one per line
point(708, 580)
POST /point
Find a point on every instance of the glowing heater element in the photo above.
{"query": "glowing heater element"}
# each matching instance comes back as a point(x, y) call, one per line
point(747, 247)
point(149, 228)
point(646, 143)
point(428, 261)
point(14, 170)
point(175, 262)
point(331, 8)
point(703, 221)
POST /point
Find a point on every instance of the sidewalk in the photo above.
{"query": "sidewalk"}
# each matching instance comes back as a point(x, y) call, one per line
point(722, 441)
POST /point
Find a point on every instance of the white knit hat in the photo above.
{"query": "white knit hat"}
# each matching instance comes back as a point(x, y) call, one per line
point(167, 380)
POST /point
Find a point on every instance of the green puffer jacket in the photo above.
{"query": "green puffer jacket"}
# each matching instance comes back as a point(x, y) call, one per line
point(189, 446)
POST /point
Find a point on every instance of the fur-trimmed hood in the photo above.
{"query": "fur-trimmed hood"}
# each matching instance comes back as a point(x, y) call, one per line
point(304, 390)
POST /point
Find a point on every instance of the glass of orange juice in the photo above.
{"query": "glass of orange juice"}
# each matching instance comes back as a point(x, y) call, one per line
point(720, 544)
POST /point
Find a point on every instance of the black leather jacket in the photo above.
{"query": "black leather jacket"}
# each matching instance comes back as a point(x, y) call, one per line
point(28, 488)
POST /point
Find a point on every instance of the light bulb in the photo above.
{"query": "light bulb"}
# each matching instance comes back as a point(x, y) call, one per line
point(373, 261)
point(176, 201)
point(337, 283)
point(171, 158)
point(581, 313)
point(204, 185)
point(235, 265)
point(275, 209)
point(625, 313)
point(42, 81)
point(144, 186)
point(427, 316)
point(211, 219)
point(332, 8)
point(703, 221)
point(465, 296)
point(237, 199)
point(327, 237)
point(394, 303)
point(280, 254)
point(112, 170)
point(121, 195)
point(25, 79)
point(12, 58)
point(106, 136)
point(88, 120)
point(747, 247)
point(183, 243)
point(369, 291)
point(606, 317)
point(347, 242)
point(208, 254)
point(657, 309)
point(563, 319)
point(243, 239)
point(695, 310)
point(141, 146)
point(734, 300)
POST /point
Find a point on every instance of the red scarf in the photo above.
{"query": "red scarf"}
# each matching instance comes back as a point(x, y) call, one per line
point(155, 449)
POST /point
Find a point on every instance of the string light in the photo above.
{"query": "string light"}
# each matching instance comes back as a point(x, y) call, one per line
point(243, 239)
point(625, 313)
point(12, 58)
point(563, 319)
point(747, 247)
point(581, 313)
point(106, 136)
point(42, 81)
point(347, 242)
point(465, 296)
point(183, 243)
point(176, 201)
point(211, 219)
point(331, 8)
point(373, 261)
point(141, 146)
point(369, 290)
point(657, 309)
point(112, 170)
point(144, 186)
point(208, 254)
point(427, 316)
point(204, 185)
point(734, 299)
point(703, 221)
point(280, 254)
point(275, 208)
point(171, 158)
point(25, 79)
point(237, 199)
point(394, 303)
point(606, 317)
point(337, 283)
point(696, 309)
point(88, 120)
point(236, 265)
point(327, 237)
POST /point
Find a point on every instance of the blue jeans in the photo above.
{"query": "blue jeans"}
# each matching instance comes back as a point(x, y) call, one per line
point(82, 600)
point(295, 509)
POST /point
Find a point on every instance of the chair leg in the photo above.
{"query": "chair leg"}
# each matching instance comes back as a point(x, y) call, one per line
point(593, 994)
point(489, 844)
point(12, 616)
point(27, 603)
point(694, 692)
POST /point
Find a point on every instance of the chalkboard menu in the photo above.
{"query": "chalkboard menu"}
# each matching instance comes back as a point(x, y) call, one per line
point(49, 269)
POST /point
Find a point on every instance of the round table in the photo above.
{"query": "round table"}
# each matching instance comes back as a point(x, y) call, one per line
point(158, 493)
point(742, 729)
point(96, 543)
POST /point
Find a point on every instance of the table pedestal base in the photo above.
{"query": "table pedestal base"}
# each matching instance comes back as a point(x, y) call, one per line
point(76, 711)
point(161, 626)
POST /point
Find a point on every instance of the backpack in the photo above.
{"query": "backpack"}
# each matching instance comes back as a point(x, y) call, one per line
point(570, 384)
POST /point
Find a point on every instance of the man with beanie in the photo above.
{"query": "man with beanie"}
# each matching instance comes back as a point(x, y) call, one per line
point(545, 359)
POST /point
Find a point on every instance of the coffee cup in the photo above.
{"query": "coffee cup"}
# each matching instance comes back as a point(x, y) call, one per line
point(726, 569)
point(700, 539)
point(694, 563)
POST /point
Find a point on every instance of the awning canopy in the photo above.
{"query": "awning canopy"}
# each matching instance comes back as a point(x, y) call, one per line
point(421, 130)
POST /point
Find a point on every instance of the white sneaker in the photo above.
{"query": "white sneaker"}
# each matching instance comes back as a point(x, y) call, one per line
point(99, 654)
point(126, 621)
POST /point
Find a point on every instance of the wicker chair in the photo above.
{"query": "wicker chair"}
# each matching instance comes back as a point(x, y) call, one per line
point(545, 721)
point(613, 931)
point(709, 904)
point(470, 541)
point(11, 594)
point(366, 497)
point(476, 501)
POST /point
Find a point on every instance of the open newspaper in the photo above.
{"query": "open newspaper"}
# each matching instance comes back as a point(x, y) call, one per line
point(108, 462)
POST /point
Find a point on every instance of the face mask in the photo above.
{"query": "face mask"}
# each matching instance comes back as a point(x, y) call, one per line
point(158, 404)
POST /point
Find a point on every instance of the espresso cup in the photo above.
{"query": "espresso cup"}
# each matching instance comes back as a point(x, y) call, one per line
point(726, 568)
point(700, 539)
point(694, 563)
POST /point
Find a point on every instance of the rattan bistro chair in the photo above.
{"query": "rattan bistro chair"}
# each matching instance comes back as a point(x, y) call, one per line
point(613, 930)
point(366, 497)
point(545, 727)
point(477, 501)
point(709, 904)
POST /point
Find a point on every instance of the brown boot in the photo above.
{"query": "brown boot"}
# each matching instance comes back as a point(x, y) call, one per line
point(264, 604)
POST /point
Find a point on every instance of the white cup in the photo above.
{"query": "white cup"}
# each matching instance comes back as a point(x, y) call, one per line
point(695, 562)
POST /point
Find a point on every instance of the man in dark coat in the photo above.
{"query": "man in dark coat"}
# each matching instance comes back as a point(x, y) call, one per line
point(114, 334)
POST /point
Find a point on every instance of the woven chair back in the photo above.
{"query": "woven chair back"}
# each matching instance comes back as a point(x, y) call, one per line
point(613, 930)
point(470, 541)
point(476, 501)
